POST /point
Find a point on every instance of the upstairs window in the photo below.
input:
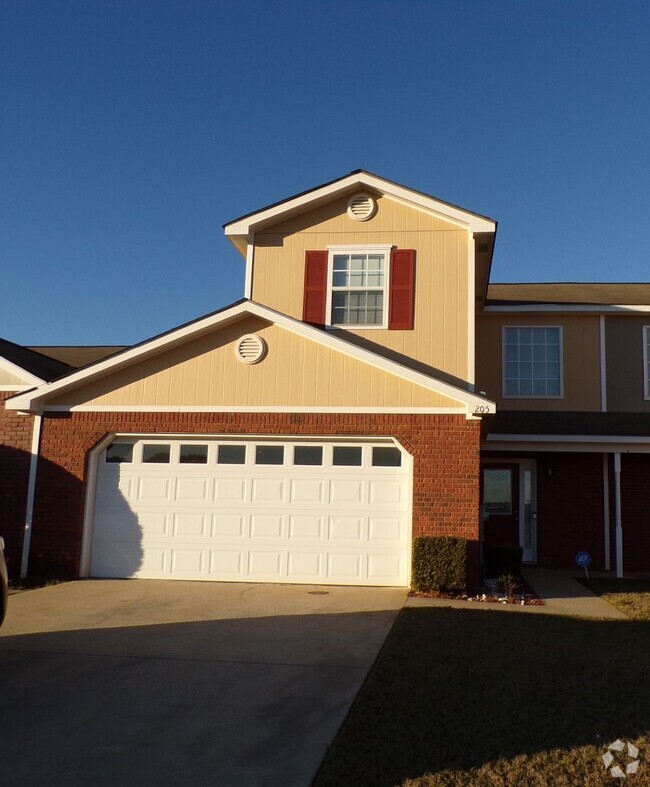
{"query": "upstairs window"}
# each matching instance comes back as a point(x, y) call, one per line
point(360, 287)
point(532, 362)
point(357, 288)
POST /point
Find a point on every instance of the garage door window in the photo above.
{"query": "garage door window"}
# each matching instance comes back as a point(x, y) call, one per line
point(308, 455)
point(231, 455)
point(347, 456)
point(269, 454)
point(193, 455)
point(120, 453)
point(386, 457)
point(156, 454)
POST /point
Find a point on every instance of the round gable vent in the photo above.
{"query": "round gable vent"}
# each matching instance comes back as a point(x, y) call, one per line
point(362, 207)
point(250, 348)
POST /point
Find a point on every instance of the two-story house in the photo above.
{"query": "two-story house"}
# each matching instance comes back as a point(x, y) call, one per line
point(310, 431)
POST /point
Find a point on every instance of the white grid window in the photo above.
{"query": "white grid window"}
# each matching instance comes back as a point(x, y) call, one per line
point(358, 287)
point(532, 362)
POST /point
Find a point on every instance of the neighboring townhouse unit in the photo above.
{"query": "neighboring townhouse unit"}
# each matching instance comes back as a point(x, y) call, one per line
point(22, 368)
point(565, 463)
point(310, 431)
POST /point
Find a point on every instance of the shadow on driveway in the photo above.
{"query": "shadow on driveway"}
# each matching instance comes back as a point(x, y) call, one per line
point(250, 700)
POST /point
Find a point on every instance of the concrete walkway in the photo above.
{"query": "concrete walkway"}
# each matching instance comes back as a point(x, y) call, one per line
point(561, 594)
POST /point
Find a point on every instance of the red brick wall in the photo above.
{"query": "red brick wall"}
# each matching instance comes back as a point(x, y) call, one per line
point(570, 509)
point(635, 511)
point(445, 451)
point(15, 448)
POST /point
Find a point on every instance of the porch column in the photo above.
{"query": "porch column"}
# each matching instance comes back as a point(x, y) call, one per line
point(617, 514)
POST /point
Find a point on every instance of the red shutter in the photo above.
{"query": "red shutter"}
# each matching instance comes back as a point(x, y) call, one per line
point(402, 290)
point(315, 298)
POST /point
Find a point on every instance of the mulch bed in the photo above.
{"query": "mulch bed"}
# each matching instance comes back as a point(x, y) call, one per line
point(490, 593)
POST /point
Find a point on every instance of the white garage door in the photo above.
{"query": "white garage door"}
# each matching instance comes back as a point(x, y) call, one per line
point(315, 512)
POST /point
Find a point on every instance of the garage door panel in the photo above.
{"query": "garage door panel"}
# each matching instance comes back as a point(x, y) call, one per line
point(307, 490)
point(304, 566)
point(189, 525)
point(226, 563)
point(227, 525)
point(269, 491)
point(265, 564)
point(386, 530)
point(345, 528)
point(305, 527)
point(217, 521)
point(187, 562)
point(153, 488)
point(350, 492)
point(192, 491)
point(267, 526)
point(229, 490)
point(384, 491)
point(344, 567)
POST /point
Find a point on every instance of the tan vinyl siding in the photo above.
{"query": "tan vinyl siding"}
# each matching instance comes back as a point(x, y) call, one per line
point(7, 378)
point(580, 367)
point(440, 336)
point(296, 372)
point(624, 354)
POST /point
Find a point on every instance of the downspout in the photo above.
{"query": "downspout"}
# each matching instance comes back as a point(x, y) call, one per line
point(617, 513)
point(31, 489)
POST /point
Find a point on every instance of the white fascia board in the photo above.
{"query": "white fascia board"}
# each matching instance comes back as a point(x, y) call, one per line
point(27, 377)
point(35, 399)
point(568, 308)
point(568, 438)
point(255, 221)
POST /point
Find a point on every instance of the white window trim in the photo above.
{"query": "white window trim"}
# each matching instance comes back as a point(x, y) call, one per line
point(646, 380)
point(504, 395)
point(359, 249)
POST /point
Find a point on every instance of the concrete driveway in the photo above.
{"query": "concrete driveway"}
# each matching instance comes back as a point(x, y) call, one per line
point(146, 682)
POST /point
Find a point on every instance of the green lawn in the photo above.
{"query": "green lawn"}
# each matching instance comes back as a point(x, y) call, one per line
point(631, 596)
point(466, 697)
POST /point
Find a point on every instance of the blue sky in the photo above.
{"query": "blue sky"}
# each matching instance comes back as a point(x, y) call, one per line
point(131, 131)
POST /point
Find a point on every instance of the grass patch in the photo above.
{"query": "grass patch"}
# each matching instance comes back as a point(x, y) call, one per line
point(631, 596)
point(460, 697)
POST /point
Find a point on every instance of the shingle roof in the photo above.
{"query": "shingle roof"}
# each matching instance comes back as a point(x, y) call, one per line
point(36, 363)
point(525, 422)
point(619, 294)
point(77, 356)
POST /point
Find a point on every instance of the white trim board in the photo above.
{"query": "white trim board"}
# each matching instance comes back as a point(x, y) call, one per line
point(567, 308)
point(298, 204)
point(35, 400)
point(112, 408)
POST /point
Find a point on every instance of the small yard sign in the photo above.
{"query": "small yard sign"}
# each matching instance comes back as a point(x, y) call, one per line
point(583, 559)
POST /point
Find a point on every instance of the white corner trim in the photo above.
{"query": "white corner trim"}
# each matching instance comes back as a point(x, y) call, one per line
point(471, 309)
point(35, 399)
point(250, 258)
point(618, 523)
point(362, 179)
point(603, 364)
point(31, 490)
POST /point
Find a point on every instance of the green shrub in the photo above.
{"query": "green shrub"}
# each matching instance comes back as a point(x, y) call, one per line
point(503, 559)
point(509, 583)
point(439, 564)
